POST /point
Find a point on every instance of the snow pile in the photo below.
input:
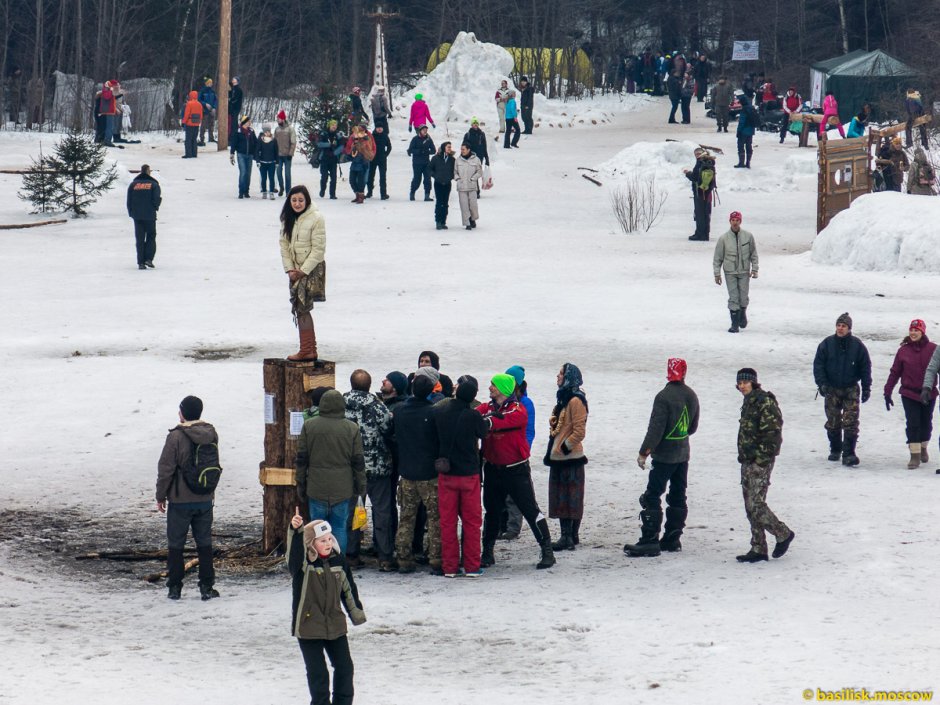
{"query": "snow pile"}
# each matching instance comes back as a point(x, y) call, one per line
point(662, 160)
point(464, 84)
point(883, 231)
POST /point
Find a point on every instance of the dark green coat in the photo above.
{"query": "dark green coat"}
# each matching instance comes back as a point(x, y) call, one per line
point(673, 420)
point(761, 431)
point(330, 466)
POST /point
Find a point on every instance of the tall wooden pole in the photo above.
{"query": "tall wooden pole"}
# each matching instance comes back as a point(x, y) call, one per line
point(225, 50)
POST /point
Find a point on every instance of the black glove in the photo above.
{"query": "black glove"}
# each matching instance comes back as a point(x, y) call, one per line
point(925, 395)
point(497, 414)
point(823, 389)
point(888, 402)
point(866, 395)
point(565, 449)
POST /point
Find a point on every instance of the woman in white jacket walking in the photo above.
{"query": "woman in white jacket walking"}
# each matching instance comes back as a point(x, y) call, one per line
point(467, 172)
point(303, 248)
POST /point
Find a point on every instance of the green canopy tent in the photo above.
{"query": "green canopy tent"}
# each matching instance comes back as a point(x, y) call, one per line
point(861, 77)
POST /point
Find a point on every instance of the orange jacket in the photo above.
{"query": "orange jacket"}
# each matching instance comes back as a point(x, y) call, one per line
point(193, 115)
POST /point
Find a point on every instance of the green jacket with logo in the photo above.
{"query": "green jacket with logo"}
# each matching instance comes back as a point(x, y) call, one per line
point(760, 434)
point(674, 419)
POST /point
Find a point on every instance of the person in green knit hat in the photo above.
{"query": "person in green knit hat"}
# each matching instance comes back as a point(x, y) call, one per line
point(506, 470)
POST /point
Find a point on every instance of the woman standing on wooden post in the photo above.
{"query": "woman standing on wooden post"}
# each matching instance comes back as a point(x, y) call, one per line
point(303, 247)
point(322, 583)
point(565, 457)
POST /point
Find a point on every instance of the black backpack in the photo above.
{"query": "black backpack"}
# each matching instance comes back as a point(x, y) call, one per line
point(203, 471)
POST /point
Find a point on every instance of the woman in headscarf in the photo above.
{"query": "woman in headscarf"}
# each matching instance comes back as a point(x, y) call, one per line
point(565, 456)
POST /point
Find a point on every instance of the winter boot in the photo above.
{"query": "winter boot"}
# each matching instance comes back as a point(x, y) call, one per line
point(923, 453)
point(487, 558)
point(751, 556)
point(361, 197)
point(564, 543)
point(427, 196)
point(174, 570)
point(206, 573)
point(742, 317)
point(411, 196)
point(548, 556)
point(740, 164)
point(734, 321)
point(915, 456)
point(848, 451)
point(672, 530)
point(308, 346)
point(575, 528)
point(835, 444)
point(174, 592)
point(782, 546)
point(648, 545)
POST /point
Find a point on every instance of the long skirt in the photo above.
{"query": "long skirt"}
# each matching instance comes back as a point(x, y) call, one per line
point(566, 491)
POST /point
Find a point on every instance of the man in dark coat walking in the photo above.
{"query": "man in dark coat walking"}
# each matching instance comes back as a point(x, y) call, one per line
point(674, 419)
point(143, 202)
point(383, 147)
point(526, 102)
point(841, 362)
point(421, 149)
point(442, 172)
point(702, 176)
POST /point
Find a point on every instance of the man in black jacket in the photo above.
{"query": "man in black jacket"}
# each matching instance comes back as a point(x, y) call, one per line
point(235, 101)
point(674, 419)
point(842, 361)
point(383, 147)
point(526, 101)
point(417, 448)
point(330, 142)
point(421, 149)
point(459, 431)
point(143, 202)
point(442, 172)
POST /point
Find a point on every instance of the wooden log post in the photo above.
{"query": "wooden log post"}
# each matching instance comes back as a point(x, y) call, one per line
point(286, 384)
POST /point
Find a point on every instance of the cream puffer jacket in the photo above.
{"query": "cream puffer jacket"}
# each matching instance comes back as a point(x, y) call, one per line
point(307, 246)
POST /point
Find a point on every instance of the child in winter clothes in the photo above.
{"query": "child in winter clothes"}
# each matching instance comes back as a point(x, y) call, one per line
point(321, 582)
point(830, 109)
point(266, 156)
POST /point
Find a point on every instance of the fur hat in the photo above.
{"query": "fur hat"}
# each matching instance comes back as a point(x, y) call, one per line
point(846, 319)
point(317, 529)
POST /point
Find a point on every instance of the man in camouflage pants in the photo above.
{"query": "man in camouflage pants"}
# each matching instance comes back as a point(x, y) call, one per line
point(759, 438)
point(841, 363)
point(417, 447)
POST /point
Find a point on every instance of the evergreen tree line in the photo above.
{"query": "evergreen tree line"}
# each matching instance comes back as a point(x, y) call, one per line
point(279, 44)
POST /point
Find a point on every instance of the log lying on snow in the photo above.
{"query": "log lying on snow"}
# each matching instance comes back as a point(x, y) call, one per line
point(128, 555)
point(20, 226)
point(188, 566)
point(592, 179)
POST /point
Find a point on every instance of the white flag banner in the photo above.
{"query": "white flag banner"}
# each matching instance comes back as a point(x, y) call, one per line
point(745, 51)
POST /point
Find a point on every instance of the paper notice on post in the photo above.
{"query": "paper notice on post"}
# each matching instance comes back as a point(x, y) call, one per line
point(296, 422)
point(269, 408)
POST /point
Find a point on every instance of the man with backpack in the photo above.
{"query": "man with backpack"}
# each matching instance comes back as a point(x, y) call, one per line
point(187, 475)
point(703, 181)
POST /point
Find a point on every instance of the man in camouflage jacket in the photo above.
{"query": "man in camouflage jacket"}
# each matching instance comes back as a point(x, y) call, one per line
point(375, 426)
point(759, 438)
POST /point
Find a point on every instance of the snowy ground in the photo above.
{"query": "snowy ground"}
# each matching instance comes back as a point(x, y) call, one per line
point(546, 278)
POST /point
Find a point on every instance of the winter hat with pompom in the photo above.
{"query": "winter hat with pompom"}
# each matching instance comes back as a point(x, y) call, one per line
point(846, 319)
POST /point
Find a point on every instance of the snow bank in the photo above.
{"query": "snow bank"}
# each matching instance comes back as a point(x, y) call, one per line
point(883, 231)
point(463, 86)
point(666, 160)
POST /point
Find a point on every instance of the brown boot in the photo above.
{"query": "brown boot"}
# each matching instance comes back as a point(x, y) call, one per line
point(308, 346)
point(360, 197)
point(915, 456)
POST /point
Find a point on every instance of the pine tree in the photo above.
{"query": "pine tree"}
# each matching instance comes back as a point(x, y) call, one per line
point(329, 104)
point(80, 166)
point(41, 185)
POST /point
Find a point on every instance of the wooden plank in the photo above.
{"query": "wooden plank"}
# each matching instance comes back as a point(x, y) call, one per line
point(892, 130)
point(37, 224)
point(277, 476)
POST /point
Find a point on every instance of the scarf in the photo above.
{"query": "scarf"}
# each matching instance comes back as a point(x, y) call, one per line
point(570, 388)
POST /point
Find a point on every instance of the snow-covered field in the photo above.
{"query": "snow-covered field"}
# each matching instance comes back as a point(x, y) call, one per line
point(546, 278)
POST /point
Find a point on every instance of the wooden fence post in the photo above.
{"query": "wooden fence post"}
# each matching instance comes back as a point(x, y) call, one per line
point(286, 384)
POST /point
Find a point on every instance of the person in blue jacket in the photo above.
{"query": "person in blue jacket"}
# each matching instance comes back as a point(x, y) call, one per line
point(512, 121)
point(210, 104)
point(512, 516)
